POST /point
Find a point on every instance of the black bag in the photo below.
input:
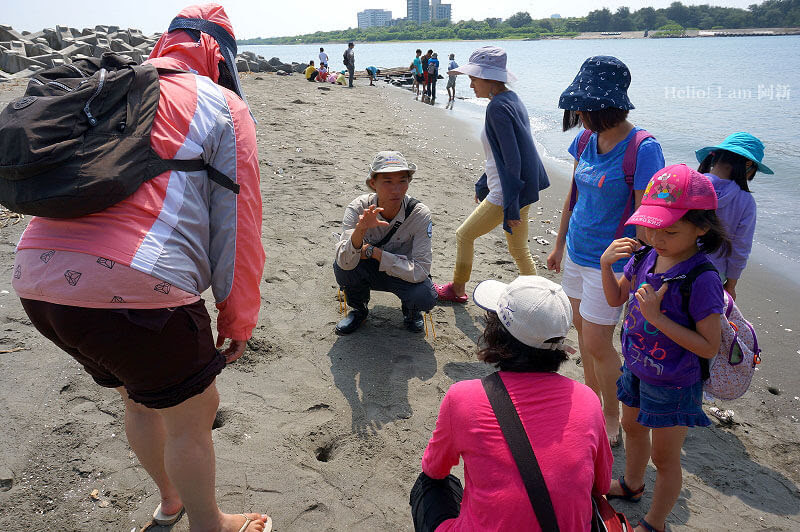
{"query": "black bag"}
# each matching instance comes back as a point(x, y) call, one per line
point(78, 141)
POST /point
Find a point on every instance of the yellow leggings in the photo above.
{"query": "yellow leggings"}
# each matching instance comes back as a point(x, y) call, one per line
point(483, 219)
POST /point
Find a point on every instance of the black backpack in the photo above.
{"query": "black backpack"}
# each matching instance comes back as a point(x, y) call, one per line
point(78, 141)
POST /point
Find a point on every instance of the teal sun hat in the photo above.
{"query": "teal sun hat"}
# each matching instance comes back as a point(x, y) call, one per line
point(743, 144)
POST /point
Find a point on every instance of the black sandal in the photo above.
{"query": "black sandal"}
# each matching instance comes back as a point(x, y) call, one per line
point(627, 493)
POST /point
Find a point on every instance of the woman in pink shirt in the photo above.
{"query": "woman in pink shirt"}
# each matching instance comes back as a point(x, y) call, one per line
point(527, 321)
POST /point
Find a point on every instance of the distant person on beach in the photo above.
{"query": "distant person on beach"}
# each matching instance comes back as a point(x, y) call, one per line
point(323, 57)
point(731, 165)
point(311, 72)
point(451, 78)
point(341, 79)
point(613, 162)
point(664, 336)
point(425, 78)
point(386, 245)
point(433, 75)
point(417, 66)
point(526, 323)
point(350, 62)
point(513, 175)
point(372, 72)
point(129, 310)
point(322, 77)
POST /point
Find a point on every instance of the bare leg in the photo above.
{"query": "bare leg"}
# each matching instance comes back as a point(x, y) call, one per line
point(637, 451)
point(597, 343)
point(667, 444)
point(145, 430)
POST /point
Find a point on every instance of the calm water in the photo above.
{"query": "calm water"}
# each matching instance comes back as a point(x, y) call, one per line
point(689, 93)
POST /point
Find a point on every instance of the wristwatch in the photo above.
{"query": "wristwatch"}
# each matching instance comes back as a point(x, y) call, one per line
point(368, 252)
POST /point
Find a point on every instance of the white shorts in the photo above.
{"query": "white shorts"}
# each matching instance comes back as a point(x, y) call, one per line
point(586, 284)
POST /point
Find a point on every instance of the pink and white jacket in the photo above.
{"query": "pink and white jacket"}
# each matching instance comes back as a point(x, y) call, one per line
point(181, 227)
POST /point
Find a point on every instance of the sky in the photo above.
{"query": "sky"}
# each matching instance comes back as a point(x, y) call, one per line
point(273, 18)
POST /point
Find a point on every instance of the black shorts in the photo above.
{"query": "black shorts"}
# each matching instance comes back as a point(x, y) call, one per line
point(161, 356)
point(420, 78)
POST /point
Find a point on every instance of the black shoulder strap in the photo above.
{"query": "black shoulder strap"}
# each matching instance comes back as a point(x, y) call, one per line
point(521, 450)
point(687, 280)
point(194, 165)
point(409, 209)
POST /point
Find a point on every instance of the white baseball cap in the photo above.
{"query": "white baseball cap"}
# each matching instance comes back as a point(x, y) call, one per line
point(533, 309)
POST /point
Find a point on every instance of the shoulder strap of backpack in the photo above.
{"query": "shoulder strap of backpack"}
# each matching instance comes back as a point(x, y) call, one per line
point(194, 165)
point(583, 140)
point(687, 280)
point(521, 450)
point(629, 170)
point(409, 209)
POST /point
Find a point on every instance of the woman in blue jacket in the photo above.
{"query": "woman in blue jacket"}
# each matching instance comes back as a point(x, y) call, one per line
point(513, 175)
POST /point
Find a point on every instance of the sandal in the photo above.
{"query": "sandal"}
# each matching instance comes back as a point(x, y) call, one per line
point(247, 521)
point(627, 493)
point(445, 293)
point(648, 526)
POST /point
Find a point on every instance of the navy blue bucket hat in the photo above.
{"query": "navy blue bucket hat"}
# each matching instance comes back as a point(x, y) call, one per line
point(601, 83)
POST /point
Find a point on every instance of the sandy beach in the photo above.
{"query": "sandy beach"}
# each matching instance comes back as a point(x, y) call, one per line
point(325, 432)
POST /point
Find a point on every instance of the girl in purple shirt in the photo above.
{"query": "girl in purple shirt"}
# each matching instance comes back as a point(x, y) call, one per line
point(661, 387)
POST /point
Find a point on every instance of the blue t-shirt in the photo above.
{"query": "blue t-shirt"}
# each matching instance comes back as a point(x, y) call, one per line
point(602, 193)
point(453, 66)
point(418, 65)
point(372, 70)
point(650, 354)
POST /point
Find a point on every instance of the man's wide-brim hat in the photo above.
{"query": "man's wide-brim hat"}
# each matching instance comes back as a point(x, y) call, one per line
point(390, 161)
point(743, 144)
point(487, 62)
point(601, 83)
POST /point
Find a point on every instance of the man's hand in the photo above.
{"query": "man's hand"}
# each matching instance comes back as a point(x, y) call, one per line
point(369, 218)
point(234, 350)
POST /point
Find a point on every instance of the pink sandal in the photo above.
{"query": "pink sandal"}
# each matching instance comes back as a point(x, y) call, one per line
point(445, 293)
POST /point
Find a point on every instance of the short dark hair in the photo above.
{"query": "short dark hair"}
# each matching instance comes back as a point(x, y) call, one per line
point(738, 164)
point(419, 51)
point(311, 62)
point(430, 51)
point(715, 238)
point(498, 347)
point(350, 44)
point(595, 120)
point(321, 49)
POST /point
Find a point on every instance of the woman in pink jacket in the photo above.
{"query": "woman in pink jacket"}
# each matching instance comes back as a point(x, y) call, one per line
point(119, 290)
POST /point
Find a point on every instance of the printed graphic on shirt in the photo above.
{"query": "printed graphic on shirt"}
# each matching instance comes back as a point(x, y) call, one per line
point(430, 229)
point(72, 277)
point(47, 255)
point(17, 272)
point(117, 299)
point(162, 287)
point(108, 263)
point(590, 175)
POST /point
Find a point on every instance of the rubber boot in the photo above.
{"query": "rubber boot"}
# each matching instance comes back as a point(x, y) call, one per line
point(357, 300)
point(413, 320)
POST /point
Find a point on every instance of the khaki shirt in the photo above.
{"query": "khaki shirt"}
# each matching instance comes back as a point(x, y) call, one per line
point(408, 255)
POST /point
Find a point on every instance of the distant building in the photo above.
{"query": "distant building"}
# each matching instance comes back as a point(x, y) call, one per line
point(555, 15)
point(370, 18)
point(419, 11)
point(440, 11)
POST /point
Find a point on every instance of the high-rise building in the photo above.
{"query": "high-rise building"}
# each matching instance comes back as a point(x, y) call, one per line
point(374, 17)
point(419, 11)
point(442, 12)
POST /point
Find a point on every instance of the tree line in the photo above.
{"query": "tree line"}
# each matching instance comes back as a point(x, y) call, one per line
point(665, 21)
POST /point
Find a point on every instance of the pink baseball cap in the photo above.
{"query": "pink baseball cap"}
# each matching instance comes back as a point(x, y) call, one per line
point(671, 193)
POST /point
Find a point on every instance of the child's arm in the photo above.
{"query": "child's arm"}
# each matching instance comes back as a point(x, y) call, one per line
point(616, 290)
point(703, 342)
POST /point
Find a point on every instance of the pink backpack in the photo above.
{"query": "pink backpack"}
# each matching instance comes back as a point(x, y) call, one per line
point(732, 369)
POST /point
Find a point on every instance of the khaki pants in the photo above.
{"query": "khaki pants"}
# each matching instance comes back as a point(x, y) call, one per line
point(482, 220)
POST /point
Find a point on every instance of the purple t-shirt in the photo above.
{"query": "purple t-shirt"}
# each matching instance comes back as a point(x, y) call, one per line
point(650, 354)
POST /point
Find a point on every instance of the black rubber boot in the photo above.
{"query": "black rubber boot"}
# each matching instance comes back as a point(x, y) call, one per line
point(357, 301)
point(413, 320)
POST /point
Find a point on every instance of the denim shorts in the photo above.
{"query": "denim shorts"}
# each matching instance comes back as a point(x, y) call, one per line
point(662, 406)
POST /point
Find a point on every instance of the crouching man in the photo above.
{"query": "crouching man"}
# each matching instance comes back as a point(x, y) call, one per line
point(386, 245)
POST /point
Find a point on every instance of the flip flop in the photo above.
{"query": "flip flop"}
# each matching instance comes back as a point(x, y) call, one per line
point(162, 519)
point(445, 293)
point(627, 493)
point(247, 521)
point(648, 526)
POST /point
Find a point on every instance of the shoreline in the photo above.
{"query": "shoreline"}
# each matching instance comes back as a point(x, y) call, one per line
point(326, 432)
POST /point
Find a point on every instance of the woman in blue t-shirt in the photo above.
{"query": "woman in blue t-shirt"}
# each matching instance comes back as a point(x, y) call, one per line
point(593, 212)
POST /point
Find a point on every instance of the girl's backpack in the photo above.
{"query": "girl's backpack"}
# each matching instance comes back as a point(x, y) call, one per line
point(728, 374)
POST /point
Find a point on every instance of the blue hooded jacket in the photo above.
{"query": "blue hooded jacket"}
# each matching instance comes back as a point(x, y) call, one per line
point(522, 174)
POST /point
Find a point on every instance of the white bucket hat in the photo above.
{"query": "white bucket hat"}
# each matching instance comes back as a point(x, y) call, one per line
point(390, 161)
point(533, 309)
point(488, 62)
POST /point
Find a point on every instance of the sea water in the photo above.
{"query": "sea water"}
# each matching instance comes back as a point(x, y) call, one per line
point(689, 93)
